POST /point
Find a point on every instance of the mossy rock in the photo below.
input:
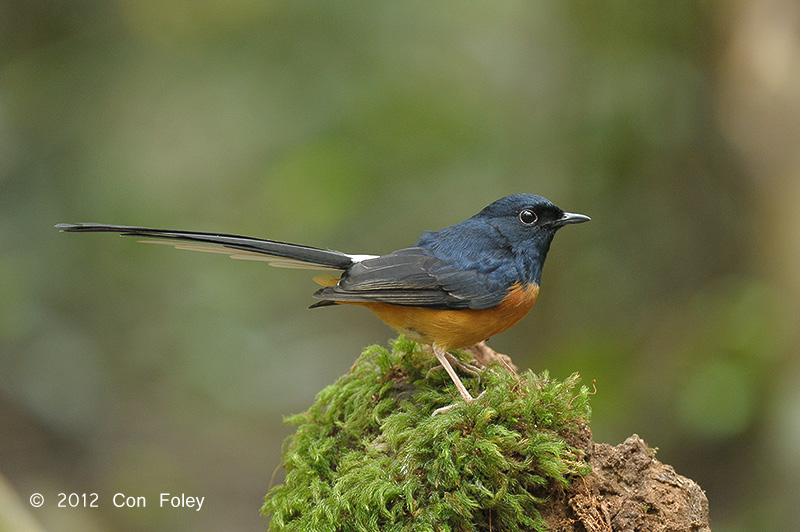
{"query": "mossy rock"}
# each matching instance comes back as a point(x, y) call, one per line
point(368, 455)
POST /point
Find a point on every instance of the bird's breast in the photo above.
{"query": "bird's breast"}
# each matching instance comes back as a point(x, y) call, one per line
point(458, 328)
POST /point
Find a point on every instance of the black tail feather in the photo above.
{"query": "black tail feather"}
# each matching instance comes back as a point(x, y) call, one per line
point(273, 248)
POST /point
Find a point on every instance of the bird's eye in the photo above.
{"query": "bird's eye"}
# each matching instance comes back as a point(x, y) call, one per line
point(527, 217)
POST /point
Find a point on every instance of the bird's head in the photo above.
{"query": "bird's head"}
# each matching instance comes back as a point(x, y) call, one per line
point(527, 223)
point(527, 219)
point(513, 234)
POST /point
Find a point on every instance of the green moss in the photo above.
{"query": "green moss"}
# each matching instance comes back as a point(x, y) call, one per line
point(368, 455)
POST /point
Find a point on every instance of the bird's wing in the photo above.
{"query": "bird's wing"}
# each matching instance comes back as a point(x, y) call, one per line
point(412, 277)
point(281, 254)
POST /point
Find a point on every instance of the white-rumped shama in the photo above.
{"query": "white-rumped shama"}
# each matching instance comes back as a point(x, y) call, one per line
point(454, 288)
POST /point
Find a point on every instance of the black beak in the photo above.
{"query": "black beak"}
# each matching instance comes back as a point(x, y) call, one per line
point(570, 218)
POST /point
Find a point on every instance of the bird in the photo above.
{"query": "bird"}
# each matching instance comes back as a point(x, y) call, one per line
point(452, 289)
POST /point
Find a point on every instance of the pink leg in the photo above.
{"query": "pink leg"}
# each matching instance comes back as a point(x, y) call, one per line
point(441, 356)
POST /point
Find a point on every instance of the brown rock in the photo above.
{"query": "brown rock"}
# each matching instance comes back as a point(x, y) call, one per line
point(629, 490)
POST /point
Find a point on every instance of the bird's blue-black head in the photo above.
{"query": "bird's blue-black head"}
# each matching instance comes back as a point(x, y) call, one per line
point(508, 240)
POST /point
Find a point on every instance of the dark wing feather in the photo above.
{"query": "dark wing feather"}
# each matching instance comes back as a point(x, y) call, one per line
point(413, 278)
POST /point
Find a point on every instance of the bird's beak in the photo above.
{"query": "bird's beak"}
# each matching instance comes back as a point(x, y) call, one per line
point(570, 218)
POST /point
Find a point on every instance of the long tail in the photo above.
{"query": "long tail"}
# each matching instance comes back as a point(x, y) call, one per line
point(239, 247)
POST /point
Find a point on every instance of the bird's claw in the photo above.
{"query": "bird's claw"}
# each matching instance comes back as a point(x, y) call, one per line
point(448, 408)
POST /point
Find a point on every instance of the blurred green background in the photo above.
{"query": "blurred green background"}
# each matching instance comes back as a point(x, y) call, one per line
point(355, 125)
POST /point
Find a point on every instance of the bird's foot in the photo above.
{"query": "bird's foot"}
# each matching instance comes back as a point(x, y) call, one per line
point(466, 367)
point(448, 408)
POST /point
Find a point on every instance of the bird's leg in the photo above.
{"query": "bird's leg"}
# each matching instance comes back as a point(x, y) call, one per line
point(441, 355)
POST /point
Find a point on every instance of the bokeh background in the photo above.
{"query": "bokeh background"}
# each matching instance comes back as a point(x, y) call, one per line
point(138, 369)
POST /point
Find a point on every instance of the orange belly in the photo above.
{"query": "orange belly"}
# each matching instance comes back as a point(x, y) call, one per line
point(453, 329)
